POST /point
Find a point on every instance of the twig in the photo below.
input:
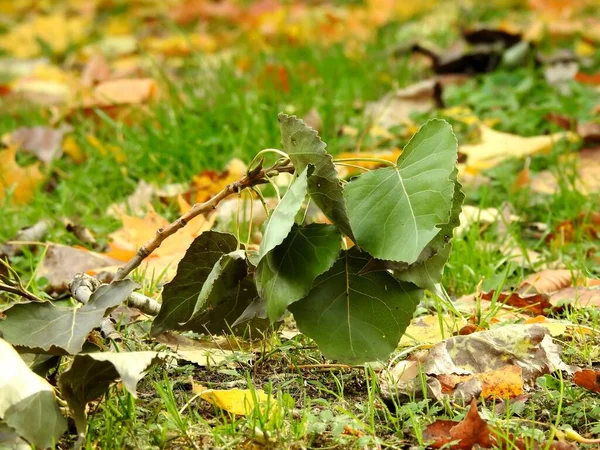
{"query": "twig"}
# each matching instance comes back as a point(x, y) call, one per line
point(18, 289)
point(252, 178)
point(83, 286)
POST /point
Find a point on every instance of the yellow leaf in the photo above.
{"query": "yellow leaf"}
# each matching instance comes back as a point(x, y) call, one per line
point(241, 402)
point(496, 146)
point(106, 149)
point(57, 30)
point(427, 330)
point(72, 149)
point(22, 181)
point(136, 231)
point(209, 182)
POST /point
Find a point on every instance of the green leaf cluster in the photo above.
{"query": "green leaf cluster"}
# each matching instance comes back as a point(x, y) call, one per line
point(355, 303)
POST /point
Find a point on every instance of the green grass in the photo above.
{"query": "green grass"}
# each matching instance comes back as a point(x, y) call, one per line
point(208, 116)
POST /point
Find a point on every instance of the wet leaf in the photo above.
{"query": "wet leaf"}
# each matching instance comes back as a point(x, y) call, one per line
point(27, 401)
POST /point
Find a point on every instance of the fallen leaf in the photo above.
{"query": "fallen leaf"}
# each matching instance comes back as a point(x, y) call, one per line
point(241, 402)
point(313, 119)
point(125, 242)
point(71, 148)
point(481, 360)
point(91, 374)
point(484, 216)
point(534, 304)
point(427, 329)
point(59, 274)
point(43, 142)
point(209, 182)
point(593, 79)
point(123, 91)
point(471, 431)
point(16, 182)
point(95, 71)
point(548, 281)
point(587, 181)
point(27, 401)
point(496, 147)
point(588, 378)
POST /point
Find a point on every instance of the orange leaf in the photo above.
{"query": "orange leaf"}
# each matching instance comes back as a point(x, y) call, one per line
point(588, 378)
point(209, 182)
point(131, 91)
point(22, 181)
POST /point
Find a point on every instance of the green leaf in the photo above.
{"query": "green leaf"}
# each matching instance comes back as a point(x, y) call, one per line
point(27, 401)
point(180, 295)
point(282, 219)
point(91, 374)
point(304, 147)
point(427, 272)
point(356, 318)
point(396, 212)
point(225, 295)
point(10, 440)
point(287, 273)
point(62, 325)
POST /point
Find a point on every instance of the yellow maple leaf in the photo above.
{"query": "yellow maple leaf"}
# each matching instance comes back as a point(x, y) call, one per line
point(496, 146)
point(21, 181)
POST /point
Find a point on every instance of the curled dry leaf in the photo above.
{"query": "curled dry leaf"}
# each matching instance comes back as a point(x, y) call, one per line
point(16, 182)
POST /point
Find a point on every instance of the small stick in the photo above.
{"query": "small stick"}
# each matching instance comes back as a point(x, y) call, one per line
point(325, 366)
point(19, 290)
point(252, 178)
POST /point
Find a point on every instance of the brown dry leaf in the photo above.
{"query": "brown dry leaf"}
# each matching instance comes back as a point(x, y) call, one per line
point(20, 182)
point(43, 142)
point(470, 432)
point(95, 71)
point(132, 91)
point(533, 304)
point(588, 378)
point(209, 182)
point(481, 360)
point(506, 382)
point(136, 231)
point(496, 147)
point(588, 171)
point(548, 281)
point(61, 263)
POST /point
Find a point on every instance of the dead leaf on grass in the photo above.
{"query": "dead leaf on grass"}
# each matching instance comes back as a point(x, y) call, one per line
point(588, 378)
point(210, 182)
point(18, 182)
point(43, 142)
point(501, 361)
point(496, 147)
point(132, 91)
point(241, 402)
point(61, 263)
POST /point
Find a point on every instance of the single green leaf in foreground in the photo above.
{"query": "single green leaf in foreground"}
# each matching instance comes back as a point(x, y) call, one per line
point(356, 318)
point(91, 374)
point(395, 212)
point(225, 295)
point(427, 272)
point(62, 326)
point(287, 273)
point(304, 147)
point(27, 401)
point(282, 219)
point(180, 295)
